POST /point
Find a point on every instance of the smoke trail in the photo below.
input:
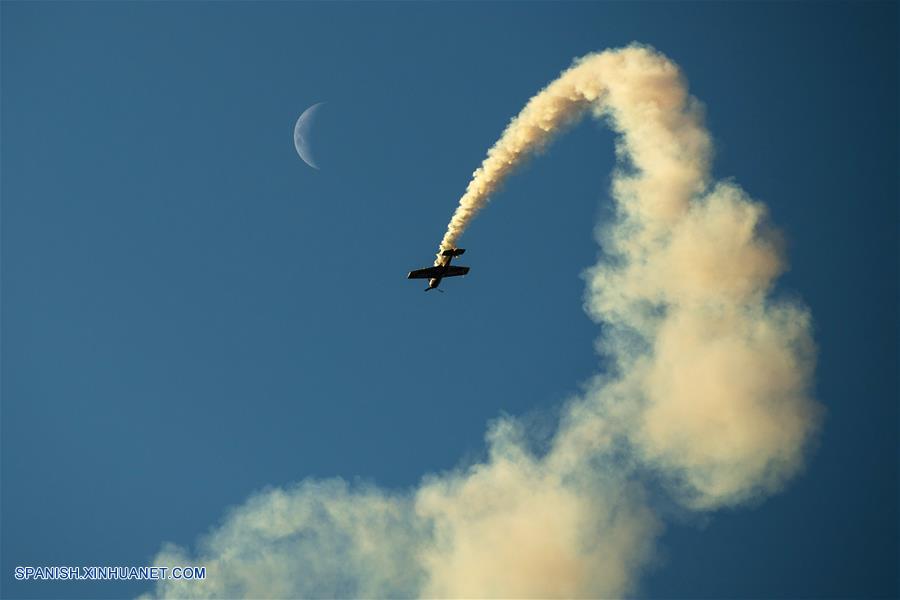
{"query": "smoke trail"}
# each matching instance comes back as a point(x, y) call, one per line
point(708, 391)
point(644, 93)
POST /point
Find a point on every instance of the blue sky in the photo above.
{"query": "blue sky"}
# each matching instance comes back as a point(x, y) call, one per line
point(191, 314)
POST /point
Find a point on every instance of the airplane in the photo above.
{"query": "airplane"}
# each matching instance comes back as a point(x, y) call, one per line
point(443, 269)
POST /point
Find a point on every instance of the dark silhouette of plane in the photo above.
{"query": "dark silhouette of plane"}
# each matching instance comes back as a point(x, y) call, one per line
point(442, 269)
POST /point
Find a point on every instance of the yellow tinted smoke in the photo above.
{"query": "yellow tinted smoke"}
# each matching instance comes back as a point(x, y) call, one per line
point(712, 375)
point(644, 94)
point(708, 389)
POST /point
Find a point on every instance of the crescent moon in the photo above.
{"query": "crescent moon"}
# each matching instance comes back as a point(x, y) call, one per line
point(302, 137)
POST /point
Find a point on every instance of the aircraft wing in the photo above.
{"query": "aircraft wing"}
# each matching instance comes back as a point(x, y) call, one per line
point(452, 271)
point(428, 273)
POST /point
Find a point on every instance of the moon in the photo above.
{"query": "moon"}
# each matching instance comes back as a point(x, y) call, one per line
point(303, 135)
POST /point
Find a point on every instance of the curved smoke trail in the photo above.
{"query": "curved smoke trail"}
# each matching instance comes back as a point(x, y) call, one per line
point(644, 94)
point(708, 391)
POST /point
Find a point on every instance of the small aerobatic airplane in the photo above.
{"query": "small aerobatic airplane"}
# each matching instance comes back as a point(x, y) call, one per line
point(443, 269)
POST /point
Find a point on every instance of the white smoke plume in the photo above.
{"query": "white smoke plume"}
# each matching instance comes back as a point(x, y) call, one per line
point(708, 390)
